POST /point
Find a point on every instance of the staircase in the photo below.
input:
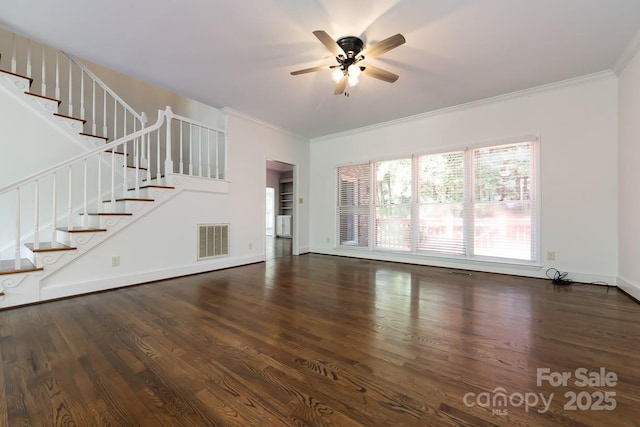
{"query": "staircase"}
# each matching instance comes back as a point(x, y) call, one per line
point(124, 171)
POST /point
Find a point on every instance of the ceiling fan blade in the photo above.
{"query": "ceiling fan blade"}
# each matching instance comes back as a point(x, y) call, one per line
point(329, 43)
point(383, 46)
point(379, 73)
point(312, 69)
point(341, 85)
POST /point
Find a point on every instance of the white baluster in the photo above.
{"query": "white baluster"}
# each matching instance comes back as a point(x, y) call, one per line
point(99, 198)
point(14, 62)
point(199, 150)
point(43, 87)
point(115, 119)
point(208, 153)
point(124, 169)
point(158, 174)
point(104, 115)
point(70, 188)
point(54, 209)
point(143, 143)
point(70, 91)
point(148, 153)
point(28, 58)
point(190, 149)
point(216, 156)
point(113, 176)
point(168, 163)
point(82, 94)
point(17, 243)
point(57, 95)
point(94, 129)
point(85, 201)
point(181, 148)
point(36, 216)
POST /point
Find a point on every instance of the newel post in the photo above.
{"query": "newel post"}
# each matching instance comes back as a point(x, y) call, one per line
point(168, 162)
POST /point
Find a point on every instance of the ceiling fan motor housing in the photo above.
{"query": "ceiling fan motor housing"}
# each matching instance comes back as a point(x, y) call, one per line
point(351, 45)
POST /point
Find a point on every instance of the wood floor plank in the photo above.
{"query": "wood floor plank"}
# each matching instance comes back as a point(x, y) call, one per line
point(318, 340)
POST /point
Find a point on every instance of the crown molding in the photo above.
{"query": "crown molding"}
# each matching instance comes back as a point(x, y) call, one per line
point(602, 75)
point(261, 122)
point(628, 54)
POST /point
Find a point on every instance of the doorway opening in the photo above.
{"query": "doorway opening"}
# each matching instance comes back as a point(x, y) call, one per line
point(280, 212)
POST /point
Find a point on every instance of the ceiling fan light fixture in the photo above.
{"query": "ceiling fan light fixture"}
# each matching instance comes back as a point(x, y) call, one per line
point(353, 80)
point(353, 71)
point(337, 75)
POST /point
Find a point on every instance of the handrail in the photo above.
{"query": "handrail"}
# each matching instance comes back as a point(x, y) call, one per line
point(86, 155)
point(93, 180)
point(103, 85)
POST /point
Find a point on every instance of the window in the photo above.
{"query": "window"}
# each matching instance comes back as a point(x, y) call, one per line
point(353, 205)
point(393, 205)
point(503, 212)
point(477, 203)
point(441, 203)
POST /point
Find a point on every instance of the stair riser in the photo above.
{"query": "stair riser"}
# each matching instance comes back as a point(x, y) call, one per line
point(76, 239)
point(104, 221)
point(48, 104)
point(72, 124)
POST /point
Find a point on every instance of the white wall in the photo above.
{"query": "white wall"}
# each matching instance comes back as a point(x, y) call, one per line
point(577, 125)
point(629, 177)
point(256, 143)
point(29, 143)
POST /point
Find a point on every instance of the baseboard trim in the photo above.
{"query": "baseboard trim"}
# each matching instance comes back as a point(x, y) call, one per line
point(631, 289)
point(484, 266)
point(64, 290)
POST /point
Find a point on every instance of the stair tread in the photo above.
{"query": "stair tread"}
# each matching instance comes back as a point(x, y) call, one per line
point(70, 117)
point(37, 95)
point(109, 213)
point(165, 187)
point(49, 247)
point(130, 199)
point(94, 136)
point(18, 75)
point(81, 229)
point(168, 187)
point(9, 267)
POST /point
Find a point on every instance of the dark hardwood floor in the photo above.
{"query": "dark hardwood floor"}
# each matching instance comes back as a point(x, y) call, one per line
point(316, 340)
point(277, 247)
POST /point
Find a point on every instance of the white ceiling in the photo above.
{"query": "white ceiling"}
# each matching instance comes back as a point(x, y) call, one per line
point(238, 54)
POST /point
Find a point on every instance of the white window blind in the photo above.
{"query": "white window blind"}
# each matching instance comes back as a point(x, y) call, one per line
point(441, 227)
point(393, 203)
point(503, 208)
point(354, 184)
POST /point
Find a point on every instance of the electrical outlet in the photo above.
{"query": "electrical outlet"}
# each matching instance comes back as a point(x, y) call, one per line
point(551, 256)
point(328, 239)
point(115, 261)
point(250, 245)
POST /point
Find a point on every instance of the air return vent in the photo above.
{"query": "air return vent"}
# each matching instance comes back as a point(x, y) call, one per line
point(213, 240)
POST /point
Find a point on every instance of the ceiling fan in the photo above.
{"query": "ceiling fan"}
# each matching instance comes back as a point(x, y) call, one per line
point(350, 53)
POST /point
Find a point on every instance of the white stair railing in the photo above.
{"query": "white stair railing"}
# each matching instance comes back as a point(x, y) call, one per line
point(65, 194)
point(81, 93)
